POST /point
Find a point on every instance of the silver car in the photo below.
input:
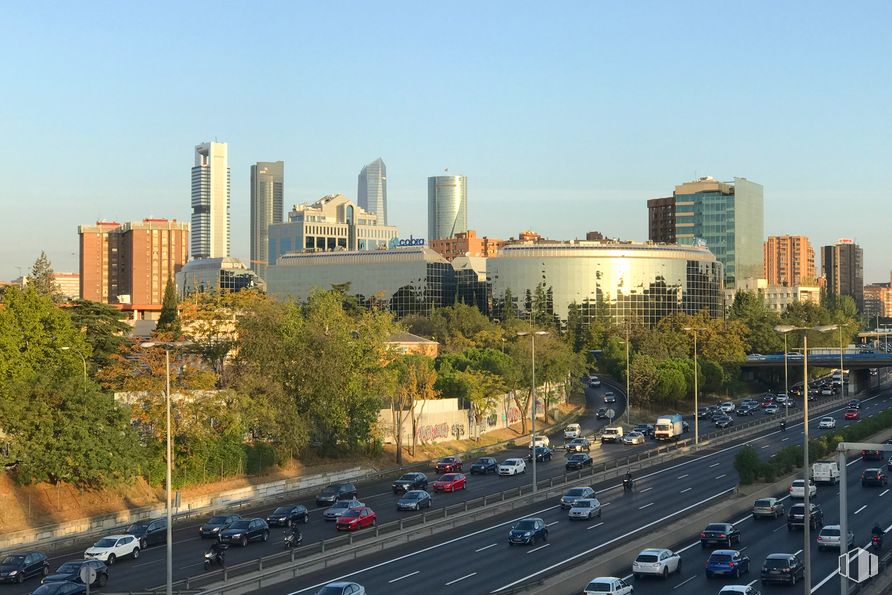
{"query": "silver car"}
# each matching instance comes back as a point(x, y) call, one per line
point(574, 494)
point(340, 507)
point(585, 509)
point(828, 538)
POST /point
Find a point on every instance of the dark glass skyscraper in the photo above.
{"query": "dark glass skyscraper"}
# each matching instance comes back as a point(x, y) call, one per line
point(267, 198)
point(843, 265)
point(372, 192)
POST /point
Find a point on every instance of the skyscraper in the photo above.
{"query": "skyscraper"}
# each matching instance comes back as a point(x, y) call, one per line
point(661, 220)
point(447, 206)
point(267, 198)
point(210, 201)
point(789, 261)
point(843, 265)
point(728, 218)
point(372, 192)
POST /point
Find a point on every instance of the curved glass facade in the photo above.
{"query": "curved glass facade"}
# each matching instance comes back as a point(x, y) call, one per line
point(636, 282)
point(447, 206)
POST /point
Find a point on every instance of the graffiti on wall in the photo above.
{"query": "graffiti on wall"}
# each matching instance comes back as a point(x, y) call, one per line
point(432, 432)
point(513, 415)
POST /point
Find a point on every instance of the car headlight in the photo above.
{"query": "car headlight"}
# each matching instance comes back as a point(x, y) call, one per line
point(528, 534)
point(13, 573)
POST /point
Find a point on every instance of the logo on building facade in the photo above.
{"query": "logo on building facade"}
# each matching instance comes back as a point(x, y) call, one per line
point(858, 565)
point(411, 242)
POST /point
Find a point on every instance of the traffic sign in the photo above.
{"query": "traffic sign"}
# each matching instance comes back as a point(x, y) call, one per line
point(88, 574)
point(611, 414)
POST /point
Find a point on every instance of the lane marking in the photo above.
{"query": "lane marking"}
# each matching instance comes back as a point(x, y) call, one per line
point(404, 576)
point(714, 465)
point(884, 493)
point(722, 475)
point(486, 547)
point(552, 523)
point(645, 506)
point(836, 572)
point(682, 476)
point(593, 526)
point(645, 490)
point(860, 509)
point(766, 446)
point(684, 583)
point(460, 579)
point(536, 549)
point(685, 490)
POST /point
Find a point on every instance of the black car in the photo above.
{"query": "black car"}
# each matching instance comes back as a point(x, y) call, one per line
point(601, 413)
point(285, 516)
point(543, 453)
point(71, 571)
point(414, 500)
point(854, 404)
point(17, 568)
point(244, 531)
point(149, 532)
point(873, 477)
point(528, 531)
point(646, 429)
point(721, 534)
point(484, 465)
point(705, 412)
point(62, 588)
point(578, 461)
point(782, 568)
point(217, 523)
point(410, 481)
point(335, 492)
point(796, 516)
point(609, 397)
point(745, 410)
point(724, 421)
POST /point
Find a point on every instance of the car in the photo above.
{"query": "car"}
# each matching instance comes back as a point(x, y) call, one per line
point(340, 507)
point(852, 414)
point(601, 413)
point(717, 414)
point(484, 465)
point(796, 516)
point(342, 588)
point(285, 516)
point(539, 440)
point(826, 423)
point(414, 500)
point(528, 531)
point(448, 465)
point(356, 518)
point(646, 429)
point(771, 409)
point(409, 481)
point(745, 410)
point(767, 401)
point(543, 453)
point(512, 467)
point(19, 567)
point(585, 509)
point(727, 562)
point(874, 477)
point(782, 568)
point(335, 492)
point(782, 400)
point(594, 380)
point(724, 421)
point(827, 391)
point(577, 493)
point(578, 461)
point(578, 445)
point(768, 507)
point(797, 489)
point(71, 571)
point(609, 397)
point(62, 588)
point(704, 412)
point(149, 532)
point(854, 404)
point(108, 549)
point(572, 431)
point(829, 538)
point(633, 438)
point(739, 590)
point(451, 482)
point(727, 406)
point(245, 531)
point(719, 534)
point(656, 562)
point(215, 524)
point(871, 455)
point(608, 585)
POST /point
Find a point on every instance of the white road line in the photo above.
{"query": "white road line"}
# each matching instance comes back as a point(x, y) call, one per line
point(593, 526)
point(766, 446)
point(552, 523)
point(860, 509)
point(684, 582)
point(536, 549)
point(644, 490)
point(645, 506)
point(485, 547)
point(853, 462)
point(685, 490)
point(722, 475)
point(884, 493)
point(682, 476)
point(460, 579)
point(784, 439)
point(399, 578)
point(714, 465)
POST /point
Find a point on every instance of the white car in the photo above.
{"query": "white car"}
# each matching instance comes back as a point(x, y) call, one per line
point(633, 438)
point(572, 431)
point(540, 441)
point(608, 585)
point(512, 467)
point(727, 407)
point(108, 549)
point(656, 561)
point(797, 490)
point(739, 590)
point(827, 423)
point(594, 380)
point(585, 509)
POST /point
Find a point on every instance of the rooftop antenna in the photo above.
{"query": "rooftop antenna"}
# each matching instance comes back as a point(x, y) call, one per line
point(446, 169)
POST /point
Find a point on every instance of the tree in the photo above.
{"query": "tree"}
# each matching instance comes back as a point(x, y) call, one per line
point(102, 326)
point(168, 322)
point(758, 323)
point(42, 280)
point(415, 381)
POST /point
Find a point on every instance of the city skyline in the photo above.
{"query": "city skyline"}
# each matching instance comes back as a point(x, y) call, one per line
point(537, 156)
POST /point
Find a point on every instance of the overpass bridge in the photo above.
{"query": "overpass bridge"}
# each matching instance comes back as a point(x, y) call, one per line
point(852, 359)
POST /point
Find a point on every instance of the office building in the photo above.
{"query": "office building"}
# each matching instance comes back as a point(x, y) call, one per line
point(843, 267)
point(69, 284)
point(466, 244)
point(130, 263)
point(218, 275)
point(778, 297)
point(447, 206)
point(267, 200)
point(789, 261)
point(371, 193)
point(661, 220)
point(210, 201)
point(331, 223)
point(878, 300)
point(726, 217)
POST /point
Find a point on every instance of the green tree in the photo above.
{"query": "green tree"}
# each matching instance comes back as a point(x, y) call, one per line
point(758, 323)
point(416, 379)
point(42, 280)
point(169, 321)
point(102, 326)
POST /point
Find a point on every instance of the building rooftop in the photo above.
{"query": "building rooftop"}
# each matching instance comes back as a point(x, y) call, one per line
point(406, 337)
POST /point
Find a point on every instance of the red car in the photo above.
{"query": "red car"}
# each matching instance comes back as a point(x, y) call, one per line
point(766, 402)
point(448, 465)
point(853, 414)
point(356, 518)
point(450, 482)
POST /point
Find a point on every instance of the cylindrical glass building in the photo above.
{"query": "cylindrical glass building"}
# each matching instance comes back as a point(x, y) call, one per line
point(447, 206)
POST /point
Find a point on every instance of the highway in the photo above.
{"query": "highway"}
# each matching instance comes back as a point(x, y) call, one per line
point(477, 558)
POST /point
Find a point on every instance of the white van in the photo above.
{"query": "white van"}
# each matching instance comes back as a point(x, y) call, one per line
point(825, 472)
point(572, 431)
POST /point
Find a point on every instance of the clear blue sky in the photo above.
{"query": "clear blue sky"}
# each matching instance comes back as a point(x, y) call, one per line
point(566, 117)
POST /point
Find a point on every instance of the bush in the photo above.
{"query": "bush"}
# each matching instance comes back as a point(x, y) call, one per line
point(747, 464)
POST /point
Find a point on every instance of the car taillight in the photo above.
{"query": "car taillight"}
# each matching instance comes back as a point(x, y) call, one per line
point(731, 564)
point(790, 489)
point(723, 536)
point(702, 535)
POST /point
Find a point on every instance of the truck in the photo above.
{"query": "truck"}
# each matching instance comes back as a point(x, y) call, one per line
point(612, 434)
point(825, 472)
point(669, 427)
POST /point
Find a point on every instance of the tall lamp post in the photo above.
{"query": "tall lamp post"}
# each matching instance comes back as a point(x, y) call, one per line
point(83, 359)
point(167, 346)
point(533, 335)
point(786, 383)
point(694, 329)
point(842, 372)
point(806, 549)
point(628, 389)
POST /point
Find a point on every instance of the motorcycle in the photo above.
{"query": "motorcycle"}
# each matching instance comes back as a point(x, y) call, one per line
point(293, 539)
point(876, 541)
point(628, 485)
point(214, 557)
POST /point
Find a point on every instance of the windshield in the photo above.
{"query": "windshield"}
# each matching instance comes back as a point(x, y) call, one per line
point(763, 503)
point(137, 527)
point(282, 510)
point(351, 513)
point(772, 563)
point(720, 558)
point(526, 525)
point(647, 558)
point(583, 504)
point(830, 532)
point(407, 477)
point(599, 587)
point(483, 461)
point(412, 496)
point(448, 460)
point(715, 527)
point(798, 482)
point(448, 477)
point(69, 568)
point(13, 560)
point(341, 504)
point(577, 457)
point(662, 426)
point(330, 591)
point(575, 492)
point(105, 542)
point(239, 525)
point(330, 491)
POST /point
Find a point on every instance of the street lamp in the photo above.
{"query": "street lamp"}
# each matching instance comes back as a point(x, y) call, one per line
point(533, 335)
point(784, 329)
point(694, 329)
point(167, 346)
point(82, 359)
point(842, 372)
point(628, 396)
